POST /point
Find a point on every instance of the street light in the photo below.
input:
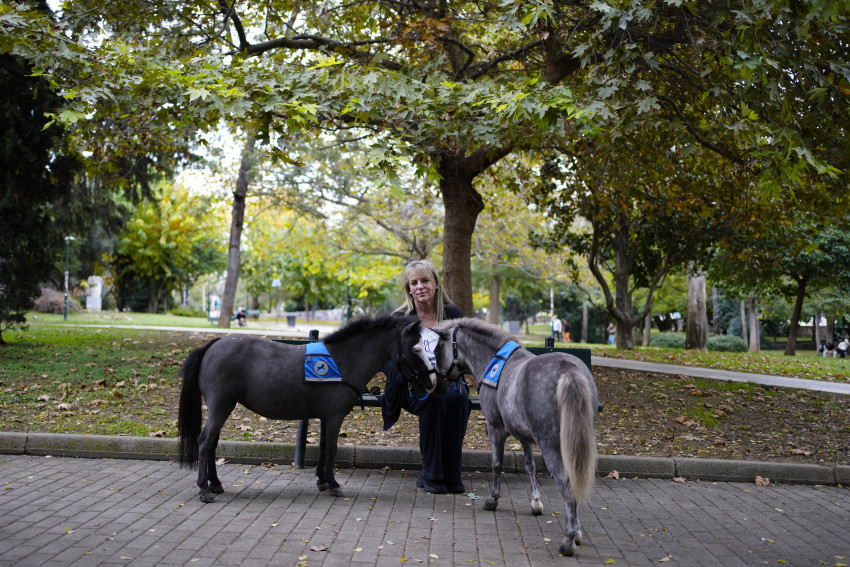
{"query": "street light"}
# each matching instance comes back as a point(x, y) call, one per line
point(68, 240)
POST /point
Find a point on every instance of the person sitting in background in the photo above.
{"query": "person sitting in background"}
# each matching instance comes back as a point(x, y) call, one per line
point(829, 350)
point(842, 347)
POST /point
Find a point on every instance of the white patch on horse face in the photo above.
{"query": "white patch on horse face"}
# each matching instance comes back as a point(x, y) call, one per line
point(419, 350)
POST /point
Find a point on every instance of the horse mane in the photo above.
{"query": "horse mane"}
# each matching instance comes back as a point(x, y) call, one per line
point(365, 323)
point(480, 327)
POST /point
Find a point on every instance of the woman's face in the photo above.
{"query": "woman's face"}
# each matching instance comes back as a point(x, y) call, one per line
point(422, 287)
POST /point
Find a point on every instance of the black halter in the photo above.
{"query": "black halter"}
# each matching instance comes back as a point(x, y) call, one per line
point(407, 368)
point(454, 363)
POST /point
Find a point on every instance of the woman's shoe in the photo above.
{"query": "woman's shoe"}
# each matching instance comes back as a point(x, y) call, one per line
point(431, 486)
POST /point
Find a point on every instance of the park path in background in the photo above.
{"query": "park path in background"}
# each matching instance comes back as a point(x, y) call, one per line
point(715, 374)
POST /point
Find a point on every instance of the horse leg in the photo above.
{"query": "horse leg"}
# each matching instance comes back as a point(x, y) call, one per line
point(572, 528)
point(208, 481)
point(498, 436)
point(215, 484)
point(321, 481)
point(327, 458)
point(531, 470)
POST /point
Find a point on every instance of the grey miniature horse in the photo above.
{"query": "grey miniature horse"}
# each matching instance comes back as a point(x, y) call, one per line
point(268, 378)
point(548, 399)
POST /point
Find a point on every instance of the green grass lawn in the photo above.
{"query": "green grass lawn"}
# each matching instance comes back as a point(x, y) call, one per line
point(805, 364)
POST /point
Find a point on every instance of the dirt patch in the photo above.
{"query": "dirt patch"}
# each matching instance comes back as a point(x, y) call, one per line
point(644, 413)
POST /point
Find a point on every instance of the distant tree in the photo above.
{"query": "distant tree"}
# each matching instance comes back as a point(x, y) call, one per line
point(635, 208)
point(792, 255)
point(37, 175)
point(167, 244)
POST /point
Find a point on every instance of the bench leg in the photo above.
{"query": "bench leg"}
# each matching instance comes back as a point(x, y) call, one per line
point(301, 443)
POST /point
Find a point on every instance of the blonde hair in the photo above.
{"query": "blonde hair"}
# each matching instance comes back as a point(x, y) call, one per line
point(440, 297)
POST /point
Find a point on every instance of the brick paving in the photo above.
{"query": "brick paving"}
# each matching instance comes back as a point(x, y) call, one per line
point(85, 512)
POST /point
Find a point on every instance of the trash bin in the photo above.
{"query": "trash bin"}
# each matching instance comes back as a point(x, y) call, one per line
point(290, 320)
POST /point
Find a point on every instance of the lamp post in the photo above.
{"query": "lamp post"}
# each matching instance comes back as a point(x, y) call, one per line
point(276, 285)
point(68, 240)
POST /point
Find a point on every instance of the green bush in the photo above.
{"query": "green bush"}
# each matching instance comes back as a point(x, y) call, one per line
point(182, 311)
point(668, 340)
point(727, 343)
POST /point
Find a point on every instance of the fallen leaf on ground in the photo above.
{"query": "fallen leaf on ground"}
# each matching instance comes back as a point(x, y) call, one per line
point(762, 481)
point(679, 479)
point(613, 474)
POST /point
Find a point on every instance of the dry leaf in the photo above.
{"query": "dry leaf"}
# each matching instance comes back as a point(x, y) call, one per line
point(762, 481)
point(801, 452)
point(318, 548)
point(665, 559)
point(679, 479)
point(613, 474)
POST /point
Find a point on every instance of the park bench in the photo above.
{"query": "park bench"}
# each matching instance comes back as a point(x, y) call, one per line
point(371, 400)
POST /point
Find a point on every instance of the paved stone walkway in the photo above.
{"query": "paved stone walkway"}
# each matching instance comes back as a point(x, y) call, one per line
point(81, 512)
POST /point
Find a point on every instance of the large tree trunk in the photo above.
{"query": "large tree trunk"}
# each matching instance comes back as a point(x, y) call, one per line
point(493, 314)
point(816, 330)
point(744, 323)
point(714, 304)
point(696, 330)
point(625, 335)
point(755, 338)
point(791, 345)
point(234, 255)
point(584, 323)
point(462, 205)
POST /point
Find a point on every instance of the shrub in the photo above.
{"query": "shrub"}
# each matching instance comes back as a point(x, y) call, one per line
point(183, 311)
point(52, 301)
point(727, 343)
point(668, 340)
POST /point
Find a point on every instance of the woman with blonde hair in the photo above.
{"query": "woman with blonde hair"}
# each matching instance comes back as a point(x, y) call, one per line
point(442, 418)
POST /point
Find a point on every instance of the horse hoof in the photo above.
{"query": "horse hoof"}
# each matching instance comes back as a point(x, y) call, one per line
point(206, 497)
point(536, 508)
point(490, 504)
point(578, 538)
point(336, 491)
point(568, 548)
point(216, 489)
point(323, 486)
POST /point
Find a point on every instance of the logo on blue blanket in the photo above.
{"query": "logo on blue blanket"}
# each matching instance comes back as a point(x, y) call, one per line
point(494, 369)
point(319, 366)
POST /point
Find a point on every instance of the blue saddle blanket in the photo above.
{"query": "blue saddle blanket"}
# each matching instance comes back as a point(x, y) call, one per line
point(494, 369)
point(319, 366)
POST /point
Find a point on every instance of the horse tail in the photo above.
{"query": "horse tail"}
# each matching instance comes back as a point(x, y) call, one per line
point(189, 416)
point(577, 406)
